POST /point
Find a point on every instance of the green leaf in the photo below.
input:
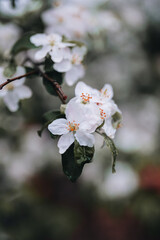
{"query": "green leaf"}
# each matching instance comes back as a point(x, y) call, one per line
point(113, 149)
point(48, 64)
point(48, 85)
point(116, 119)
point(10, 70)
point(47, 118)
point(23, 44)
point(74, 159)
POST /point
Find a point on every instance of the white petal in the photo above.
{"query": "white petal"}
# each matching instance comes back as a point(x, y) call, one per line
point(108, 128)
point(11, 101)
point(81, 51)
point(55, 37)
point(58, 127)
point(85, 139)
point(23, 92)
point(107, 91)
point(19, 71)
point(63, 66)
point(56, 54)
point(39, 39)
point(65, 142)
point(74, 74)
point(81, 87)
point(42, 52)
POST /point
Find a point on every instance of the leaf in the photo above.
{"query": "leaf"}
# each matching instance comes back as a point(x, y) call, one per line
point(23, 44)
point(10, 70)
point(116, 119)
point(48, 85)
point(47, 119)
point(74, 159)
point(48, 64)
point(113, 149)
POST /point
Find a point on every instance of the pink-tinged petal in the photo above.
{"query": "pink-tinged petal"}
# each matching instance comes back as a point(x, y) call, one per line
point(56, 54)
point(63, 66)
point(107, 91)
point(58, 127)
point(74, 74)
point(85, 139)
point(39, 39)
point(65, 142)
point(42, 52)
point(23, 92)
point(108, 128)
point(11, 101)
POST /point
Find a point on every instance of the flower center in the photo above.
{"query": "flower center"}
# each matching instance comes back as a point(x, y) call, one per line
point(85, 98)
point(76, 59)
point(102, 113)
point(52, 42)
point(60, 19)
point(9, 87)
point(72, 126)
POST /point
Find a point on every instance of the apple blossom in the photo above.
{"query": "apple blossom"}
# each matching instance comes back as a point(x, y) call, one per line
point(72, 65)
point(9, 34)
point(14, 91)
point(73, 127)
point(52, 44)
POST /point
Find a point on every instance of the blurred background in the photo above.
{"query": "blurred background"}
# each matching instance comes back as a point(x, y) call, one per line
point(37, 202)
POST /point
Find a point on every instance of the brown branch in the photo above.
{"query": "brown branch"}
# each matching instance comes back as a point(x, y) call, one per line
point(17, 78)
point(55, 84)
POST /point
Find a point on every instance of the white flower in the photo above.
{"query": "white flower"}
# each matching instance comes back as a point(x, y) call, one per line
point(9, 34)
point(72, 65)
point(70, 20)
point(14, 91)
point(120, 185)
point(74, 127)
point(102, 101)
point(51, 44)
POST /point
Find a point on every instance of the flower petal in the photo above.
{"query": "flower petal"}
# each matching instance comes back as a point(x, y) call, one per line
point(63, 66)
point(107, 91)
point(39, 39)
point(108, 128)
point(65, 142)
point(74, 74)
point(19, 71)
point(58, 127)
point(56, 54)
point(42, 52)
point(23, 92)
point(85, 139)
point(11, 101)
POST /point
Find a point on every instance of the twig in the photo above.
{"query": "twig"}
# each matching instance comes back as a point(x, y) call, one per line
point(56, 85)
point(17, 78)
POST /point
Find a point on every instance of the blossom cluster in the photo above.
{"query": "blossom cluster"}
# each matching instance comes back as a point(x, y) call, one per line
point(66, 56)
point(88, 111)
point(84, 16)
